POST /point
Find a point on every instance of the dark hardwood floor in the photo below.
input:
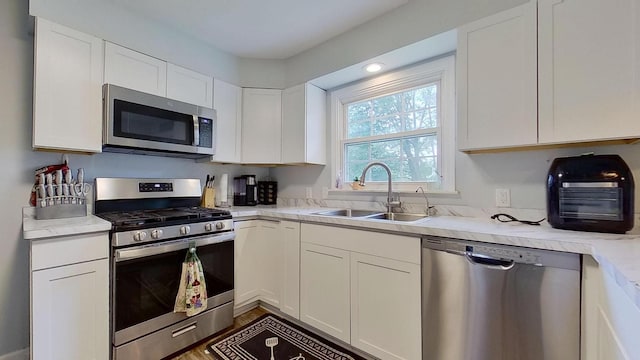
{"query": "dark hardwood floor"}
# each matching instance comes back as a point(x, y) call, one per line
point(198, 352)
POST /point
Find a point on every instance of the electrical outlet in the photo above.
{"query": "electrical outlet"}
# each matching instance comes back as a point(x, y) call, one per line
point(503, 198)
point(309, 193)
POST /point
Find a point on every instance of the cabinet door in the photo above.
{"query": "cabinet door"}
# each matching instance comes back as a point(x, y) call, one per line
point(324, 289)
point(261, 126)
point(67, 96)
point(227, 100)
point(70, 312)
point(304, 125)
point(496, 80)
point(247, 266)
point(290, 299)
point(134, 70)
point(189, 86)
point(589, 70)
point(270, 261)
point(385, 307)
point(610, 319)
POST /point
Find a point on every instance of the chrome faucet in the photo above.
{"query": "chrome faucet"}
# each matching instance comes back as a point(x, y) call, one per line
point(427, 208)
point(391, 202)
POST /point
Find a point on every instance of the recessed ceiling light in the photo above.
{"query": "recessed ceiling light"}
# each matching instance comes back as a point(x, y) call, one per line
point(373, 67)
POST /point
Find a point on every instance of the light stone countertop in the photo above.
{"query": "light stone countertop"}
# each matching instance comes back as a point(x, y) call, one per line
point(33, 229)
point(618, 255)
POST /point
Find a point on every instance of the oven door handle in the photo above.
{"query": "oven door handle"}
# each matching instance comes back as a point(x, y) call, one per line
point(154, 249)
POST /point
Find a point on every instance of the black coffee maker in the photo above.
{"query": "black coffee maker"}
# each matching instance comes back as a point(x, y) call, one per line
point(245, 191)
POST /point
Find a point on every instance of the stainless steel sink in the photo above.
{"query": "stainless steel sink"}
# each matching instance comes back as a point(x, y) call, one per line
point(349, 213)
point(398, 216)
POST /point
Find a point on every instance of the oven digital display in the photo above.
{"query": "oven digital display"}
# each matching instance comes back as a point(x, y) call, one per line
point(155, 187)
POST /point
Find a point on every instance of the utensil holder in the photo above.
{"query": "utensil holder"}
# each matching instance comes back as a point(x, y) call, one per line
point(61, 211)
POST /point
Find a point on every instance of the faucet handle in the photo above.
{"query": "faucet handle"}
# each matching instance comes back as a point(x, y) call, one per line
point(395, 201)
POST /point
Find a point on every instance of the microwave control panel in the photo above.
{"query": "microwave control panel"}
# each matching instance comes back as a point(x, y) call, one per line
point(206, 132)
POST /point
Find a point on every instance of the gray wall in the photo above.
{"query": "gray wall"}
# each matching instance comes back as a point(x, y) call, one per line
point(19, 162)
point(417, 20)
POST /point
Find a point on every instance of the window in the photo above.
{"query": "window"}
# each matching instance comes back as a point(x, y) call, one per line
point(404, 119)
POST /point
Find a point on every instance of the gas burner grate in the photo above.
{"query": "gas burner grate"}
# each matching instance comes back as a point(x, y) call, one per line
point(159, 217)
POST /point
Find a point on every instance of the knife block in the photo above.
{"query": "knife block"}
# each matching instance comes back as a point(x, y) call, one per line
point(208, 198)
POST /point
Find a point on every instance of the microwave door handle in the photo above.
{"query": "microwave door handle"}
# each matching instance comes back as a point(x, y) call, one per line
point(196, 131)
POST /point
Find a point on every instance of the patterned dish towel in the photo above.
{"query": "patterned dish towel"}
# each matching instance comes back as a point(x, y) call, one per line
point(192, 291)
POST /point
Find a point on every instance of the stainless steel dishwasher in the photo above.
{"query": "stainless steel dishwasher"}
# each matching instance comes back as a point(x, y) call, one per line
point(494, 302)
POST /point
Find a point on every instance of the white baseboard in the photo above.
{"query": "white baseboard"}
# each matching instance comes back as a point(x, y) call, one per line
point(16, 355)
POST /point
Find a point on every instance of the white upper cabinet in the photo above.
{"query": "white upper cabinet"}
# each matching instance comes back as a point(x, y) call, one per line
point(496, 72)
point(261, 126)
point(189, 86)
point(583, 85)
point(588, 70)
point(227, 100)
point(304, 125)
point(134, 70)
point(67, 95)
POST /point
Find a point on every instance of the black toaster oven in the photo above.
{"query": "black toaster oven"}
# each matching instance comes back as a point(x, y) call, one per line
point(590, 193)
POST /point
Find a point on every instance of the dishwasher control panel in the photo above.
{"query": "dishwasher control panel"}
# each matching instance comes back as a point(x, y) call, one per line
point(520, 255)
point(488, 251)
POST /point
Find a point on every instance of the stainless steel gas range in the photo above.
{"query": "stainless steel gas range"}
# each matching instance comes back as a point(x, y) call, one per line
point(154, 223)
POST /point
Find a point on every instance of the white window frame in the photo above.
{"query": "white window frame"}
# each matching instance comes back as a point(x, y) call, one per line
point(441, 70)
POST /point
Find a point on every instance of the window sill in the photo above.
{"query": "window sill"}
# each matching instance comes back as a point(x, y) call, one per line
point(431, 193)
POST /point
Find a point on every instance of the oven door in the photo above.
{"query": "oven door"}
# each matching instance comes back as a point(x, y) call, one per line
point(146, 278)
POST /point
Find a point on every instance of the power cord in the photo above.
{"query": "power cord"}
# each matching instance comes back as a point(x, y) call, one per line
point(508, 218)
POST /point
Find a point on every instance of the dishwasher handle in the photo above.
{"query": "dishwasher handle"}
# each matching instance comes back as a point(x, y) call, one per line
point(489, 262)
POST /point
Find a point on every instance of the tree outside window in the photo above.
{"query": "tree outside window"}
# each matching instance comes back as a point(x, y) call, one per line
point(399, 129)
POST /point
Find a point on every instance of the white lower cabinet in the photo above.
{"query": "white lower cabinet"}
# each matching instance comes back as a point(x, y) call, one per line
point(270, 261)
point(258, 252)
point(363, 288)
point(385, 295)
point(71, 312)
point(247, 269)
point(290, 299)
point(610, 320)
point(70, 297)
point(324, 289)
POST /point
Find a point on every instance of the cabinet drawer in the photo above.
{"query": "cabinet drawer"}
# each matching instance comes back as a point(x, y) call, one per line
point(397, 247)
point(66, 250)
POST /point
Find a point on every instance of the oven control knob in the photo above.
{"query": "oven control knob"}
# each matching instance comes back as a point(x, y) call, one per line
point(156, 234)
point(185, 230)
point(219, 226)
point(139, 236)
point(208, 227)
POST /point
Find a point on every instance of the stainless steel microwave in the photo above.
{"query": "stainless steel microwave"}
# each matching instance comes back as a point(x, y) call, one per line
point(141, 123)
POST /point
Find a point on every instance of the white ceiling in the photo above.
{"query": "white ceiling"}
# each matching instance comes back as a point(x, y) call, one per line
point(262, 29)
